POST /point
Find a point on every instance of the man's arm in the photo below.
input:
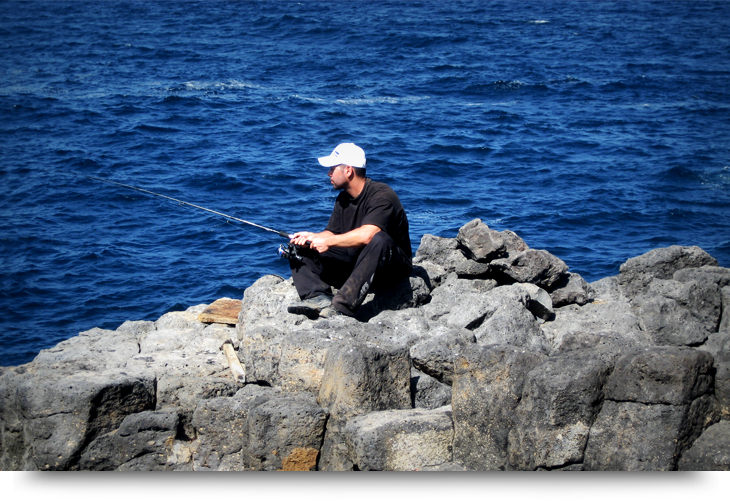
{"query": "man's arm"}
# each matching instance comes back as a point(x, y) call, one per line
point(322, 241)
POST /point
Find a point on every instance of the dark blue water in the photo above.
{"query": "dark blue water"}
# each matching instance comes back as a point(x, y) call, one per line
point(595, 130)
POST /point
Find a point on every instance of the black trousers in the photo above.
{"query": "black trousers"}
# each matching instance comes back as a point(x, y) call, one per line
point(351, 270)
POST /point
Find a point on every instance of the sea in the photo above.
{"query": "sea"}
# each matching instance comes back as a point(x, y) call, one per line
point(596, 130)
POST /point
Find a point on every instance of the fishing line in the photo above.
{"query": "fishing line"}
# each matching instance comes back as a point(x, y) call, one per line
point(288, 251)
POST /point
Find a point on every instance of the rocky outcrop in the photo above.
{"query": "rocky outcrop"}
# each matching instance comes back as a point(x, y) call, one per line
point(492, 356)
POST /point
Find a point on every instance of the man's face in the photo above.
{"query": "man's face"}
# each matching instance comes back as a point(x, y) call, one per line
point(338, 177)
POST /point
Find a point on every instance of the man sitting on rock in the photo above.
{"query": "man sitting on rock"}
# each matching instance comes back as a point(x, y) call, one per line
point(366, 240)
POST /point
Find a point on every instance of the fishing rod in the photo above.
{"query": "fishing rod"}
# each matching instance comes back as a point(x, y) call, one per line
point(289, 251)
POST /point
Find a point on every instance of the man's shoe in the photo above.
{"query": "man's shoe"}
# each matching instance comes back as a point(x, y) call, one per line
point(330, 312)
point(311, 307)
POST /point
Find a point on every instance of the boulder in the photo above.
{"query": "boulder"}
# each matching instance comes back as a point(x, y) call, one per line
point(427, 392)
point(571, 289)
point(435, 355)
point(718, 344)
point(710, 452)
point(532, 265)
point(658, 400)
point(560, 400)
point(439, 257)
point(637, 273)
point(480, 242)
point(360, 377)
point(400, 440)
point(488, 383)
point(678, 313)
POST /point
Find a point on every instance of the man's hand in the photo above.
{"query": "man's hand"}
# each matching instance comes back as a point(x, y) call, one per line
point(322, 241)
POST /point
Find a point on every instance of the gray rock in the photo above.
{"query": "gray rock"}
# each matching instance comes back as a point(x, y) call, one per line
point(609, 312)
point(560, 400)
point(480, 242)
point(144, 441)
point(718, 344)
point(710, 452)
point(487, 388)
point(704, 274)
point(435, 355)
point(725, 319)
point(505, 318)
point(634, 436)
point(360, 377)
point(427, 392)
point(285, 433)
point(678, 313)
point(661, 375)
point(411, 293)
point(439, 256)
point(532, 265)
point(400, 440)
point(637, 273)
point(64, 413)
point(571, 289)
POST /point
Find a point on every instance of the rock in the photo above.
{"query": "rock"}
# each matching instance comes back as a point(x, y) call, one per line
point(710, 452)
point(144, 441)
point(658, 400)
point(560, 401)
point(400, 440)
point(360, 377)
point(718, 344)
point(487, 388)
point(532, 265)
point(62, 414)
point(725, 320)
point(285, 433)
point(435, 355)
point(661, 375)
point(506, 319)
point(571, 289)
point(411, 293)
point(427, 392)
point(610, 312)
point(637, 273)
point(539, 302)
point(439, 256)
point(480, 242)
point(678, 313)
point(704, 274)
point(631, 436)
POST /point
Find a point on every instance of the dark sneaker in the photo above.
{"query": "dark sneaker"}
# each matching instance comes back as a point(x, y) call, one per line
point(311, 307)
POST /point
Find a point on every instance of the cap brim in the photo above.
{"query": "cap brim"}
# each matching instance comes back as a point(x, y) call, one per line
point(329, 161)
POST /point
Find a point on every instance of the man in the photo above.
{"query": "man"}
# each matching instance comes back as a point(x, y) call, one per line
point(365, 241)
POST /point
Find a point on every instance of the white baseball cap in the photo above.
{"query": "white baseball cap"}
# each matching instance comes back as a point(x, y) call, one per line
point(345, 153)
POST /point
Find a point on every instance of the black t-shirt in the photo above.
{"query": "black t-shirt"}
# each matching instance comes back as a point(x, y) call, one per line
point(376, 205)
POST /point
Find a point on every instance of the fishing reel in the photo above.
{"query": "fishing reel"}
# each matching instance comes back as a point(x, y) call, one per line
point(290, 252)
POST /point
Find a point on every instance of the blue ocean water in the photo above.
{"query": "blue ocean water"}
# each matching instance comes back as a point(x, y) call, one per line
point(595, 130)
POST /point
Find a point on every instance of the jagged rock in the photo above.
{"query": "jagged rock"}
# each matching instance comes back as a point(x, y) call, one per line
point(571, 289)
point(411, 293)
point(435, 355)
point(718, 344)
point(535, 266)
point(704, 274)
point(62, 414)
point(487, 388)
point(658, 401)
point(637, 273)
point(285, 433)
point(506, 319)
point(725, 320)
point(560, 401)
point(610, 312)
point(400, 440)
point(678, 313)
point(144, 441)
point(631, 436)
point(540, 303)
point(439, 256)
point(427, 392)
point(710, 452)
point(480, 242)
point(360, 377)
